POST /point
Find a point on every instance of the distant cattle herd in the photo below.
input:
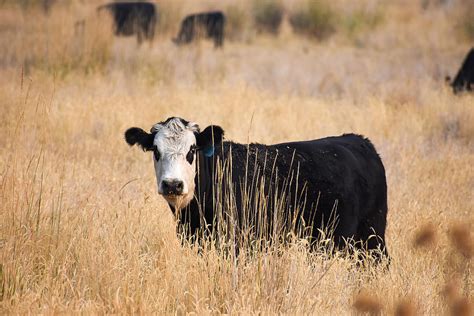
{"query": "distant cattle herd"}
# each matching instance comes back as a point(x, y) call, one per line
point(140, 18)
point(133, 18)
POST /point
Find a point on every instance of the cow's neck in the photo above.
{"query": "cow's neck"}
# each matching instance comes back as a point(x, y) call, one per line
point(204, 178)
point(190, 216)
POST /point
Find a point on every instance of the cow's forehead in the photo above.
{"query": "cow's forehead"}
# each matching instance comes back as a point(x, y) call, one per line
point(174, 134)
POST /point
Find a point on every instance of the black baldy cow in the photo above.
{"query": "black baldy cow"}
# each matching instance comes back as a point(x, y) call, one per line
point(464, 80)
point(133, 18)
point(342, 178)
point(207, 25)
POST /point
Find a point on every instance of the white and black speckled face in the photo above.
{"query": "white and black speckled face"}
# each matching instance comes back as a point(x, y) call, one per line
point(174, 150)
point(174, 144)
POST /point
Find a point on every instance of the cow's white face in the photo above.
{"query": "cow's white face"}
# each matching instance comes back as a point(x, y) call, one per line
point(175, 162)
point(175, 143)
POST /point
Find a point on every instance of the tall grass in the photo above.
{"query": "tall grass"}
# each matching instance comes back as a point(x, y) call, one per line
point(262, 213)
point(83, 230)
point(57, 43)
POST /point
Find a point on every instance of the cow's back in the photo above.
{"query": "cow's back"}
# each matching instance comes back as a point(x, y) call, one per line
point(347, 164)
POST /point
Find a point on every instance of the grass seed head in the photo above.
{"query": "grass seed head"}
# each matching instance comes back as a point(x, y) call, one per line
point(451, 290)
point(366, 303)
point(462, 240)
point(462, 307)
point(406, 308)
point(425, 237)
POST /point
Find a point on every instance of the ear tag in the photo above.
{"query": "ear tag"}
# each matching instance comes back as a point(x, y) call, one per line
point(209, 152)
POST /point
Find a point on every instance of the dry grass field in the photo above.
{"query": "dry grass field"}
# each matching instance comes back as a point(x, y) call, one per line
point(82, 228)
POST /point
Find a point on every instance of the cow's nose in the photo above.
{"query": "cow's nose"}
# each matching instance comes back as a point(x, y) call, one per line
point(172, 187)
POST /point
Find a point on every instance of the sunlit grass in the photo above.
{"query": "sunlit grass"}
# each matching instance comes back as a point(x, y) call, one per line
point(83, 229)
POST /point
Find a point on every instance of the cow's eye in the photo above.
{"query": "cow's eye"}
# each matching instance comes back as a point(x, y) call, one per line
point(190, 155)
point(156, 153)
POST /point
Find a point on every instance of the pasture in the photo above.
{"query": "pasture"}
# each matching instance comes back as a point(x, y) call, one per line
point(82, 228)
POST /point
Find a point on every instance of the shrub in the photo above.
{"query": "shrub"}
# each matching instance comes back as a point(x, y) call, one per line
point(469, 28)
point(361, 21)
point(268, 15)
point(315, 19)
point(236, 22)
point(467, 21)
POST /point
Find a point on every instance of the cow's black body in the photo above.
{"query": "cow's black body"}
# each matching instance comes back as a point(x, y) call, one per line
point(342, 174)
point(133, 18)
point(209, 24)
point(464, 80)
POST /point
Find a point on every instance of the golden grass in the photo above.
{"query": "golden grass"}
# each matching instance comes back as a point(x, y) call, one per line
point(83, 230)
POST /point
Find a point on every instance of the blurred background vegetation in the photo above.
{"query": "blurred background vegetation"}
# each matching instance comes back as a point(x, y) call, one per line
point(82, 228)
point(68, 34)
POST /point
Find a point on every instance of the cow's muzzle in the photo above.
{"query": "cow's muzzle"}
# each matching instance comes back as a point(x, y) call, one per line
point(172, 187)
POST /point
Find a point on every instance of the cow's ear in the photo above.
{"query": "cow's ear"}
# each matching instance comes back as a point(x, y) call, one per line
point(138, 136)
point(208, 138)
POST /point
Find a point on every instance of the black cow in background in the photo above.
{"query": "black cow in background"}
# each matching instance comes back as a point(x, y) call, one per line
point(133, 18)
point(209, 24)
point(464, 80)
